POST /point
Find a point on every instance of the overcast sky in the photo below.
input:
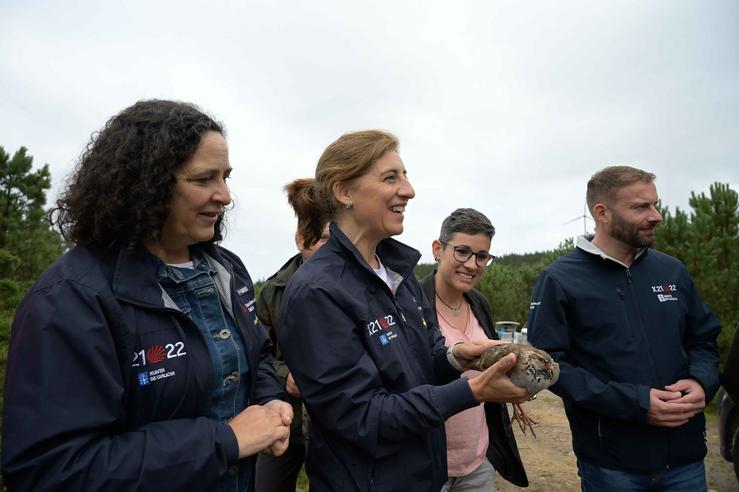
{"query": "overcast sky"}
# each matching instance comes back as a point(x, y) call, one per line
point(507, 107)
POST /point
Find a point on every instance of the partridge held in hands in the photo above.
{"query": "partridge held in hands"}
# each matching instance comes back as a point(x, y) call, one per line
point(534, 371)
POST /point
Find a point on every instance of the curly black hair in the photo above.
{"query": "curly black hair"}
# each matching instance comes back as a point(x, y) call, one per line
point(120, 191)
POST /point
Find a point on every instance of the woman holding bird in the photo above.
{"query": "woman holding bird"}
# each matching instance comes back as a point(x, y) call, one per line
point(371, 364)
point(480, 439)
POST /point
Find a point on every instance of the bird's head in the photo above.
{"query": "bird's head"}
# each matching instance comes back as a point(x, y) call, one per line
point(544, 366)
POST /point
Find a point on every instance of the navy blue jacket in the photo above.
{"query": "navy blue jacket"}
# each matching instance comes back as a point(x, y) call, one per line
point(617, 332)
point(372, 369)
point(108, 384)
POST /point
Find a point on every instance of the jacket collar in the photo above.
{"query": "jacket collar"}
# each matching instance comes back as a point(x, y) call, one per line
point(223, 276)
point(585, 244)
point(286, 271)
point(396, 256)
point(135, 277)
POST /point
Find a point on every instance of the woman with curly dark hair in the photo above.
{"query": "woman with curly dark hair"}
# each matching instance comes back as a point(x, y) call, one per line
point(136, 361)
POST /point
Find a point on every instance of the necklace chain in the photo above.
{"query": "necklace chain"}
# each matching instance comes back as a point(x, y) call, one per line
point(455, 309)
point(462, 330)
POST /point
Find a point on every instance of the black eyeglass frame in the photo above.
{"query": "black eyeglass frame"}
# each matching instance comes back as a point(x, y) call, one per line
point(482, 258)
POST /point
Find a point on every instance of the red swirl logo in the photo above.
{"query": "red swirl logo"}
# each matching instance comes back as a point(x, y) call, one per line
point(156, 354)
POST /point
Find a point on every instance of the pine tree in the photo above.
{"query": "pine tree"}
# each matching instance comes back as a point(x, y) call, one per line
point(707, 242)
point(27, 244)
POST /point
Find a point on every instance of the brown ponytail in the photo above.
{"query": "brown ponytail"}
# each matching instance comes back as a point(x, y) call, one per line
point(311, 209)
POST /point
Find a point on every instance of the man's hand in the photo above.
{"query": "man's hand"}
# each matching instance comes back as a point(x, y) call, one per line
point(291, 387)
point(677, 404)
point(692, 392)
point(466, 352)
point(493, 385)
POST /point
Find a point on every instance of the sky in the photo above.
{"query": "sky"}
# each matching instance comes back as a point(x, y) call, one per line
point(504, 106)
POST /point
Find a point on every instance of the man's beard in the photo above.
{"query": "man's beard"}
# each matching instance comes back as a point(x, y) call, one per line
point(627, 232)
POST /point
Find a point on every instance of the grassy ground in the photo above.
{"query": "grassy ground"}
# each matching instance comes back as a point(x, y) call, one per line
point(302, 485)
point(551, 464)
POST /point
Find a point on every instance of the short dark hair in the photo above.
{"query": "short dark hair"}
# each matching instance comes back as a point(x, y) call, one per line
point(120, 190)
point(605, 182)
point(467, 221)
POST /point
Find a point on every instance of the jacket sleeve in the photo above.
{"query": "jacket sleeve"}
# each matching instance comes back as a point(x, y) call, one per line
point(549, 329)
point(267, 384)
point(341, 384)
point(702, 329)
point(730, 375)
point(264, 311)
point(65, 419)
point(268, 302)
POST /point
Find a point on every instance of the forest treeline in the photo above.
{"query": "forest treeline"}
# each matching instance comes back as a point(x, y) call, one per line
point(27, 244)
point(705, 239)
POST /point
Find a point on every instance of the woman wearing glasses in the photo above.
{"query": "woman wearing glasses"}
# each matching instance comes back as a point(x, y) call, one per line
point(479, 439)
point(361, 341)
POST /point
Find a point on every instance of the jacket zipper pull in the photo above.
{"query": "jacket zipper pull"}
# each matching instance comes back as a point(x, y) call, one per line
point(397, 306)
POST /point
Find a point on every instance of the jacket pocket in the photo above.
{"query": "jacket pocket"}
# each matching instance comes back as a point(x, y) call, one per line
point(180, 299)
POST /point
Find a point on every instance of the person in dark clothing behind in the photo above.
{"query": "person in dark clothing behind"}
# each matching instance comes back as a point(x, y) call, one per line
point(480, 439)
point(361, 340)
point(280, 473)
point(730, 374)
point(134, 361)
point(635, 343)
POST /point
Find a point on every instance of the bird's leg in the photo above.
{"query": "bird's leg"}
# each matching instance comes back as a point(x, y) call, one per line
point(523, 419)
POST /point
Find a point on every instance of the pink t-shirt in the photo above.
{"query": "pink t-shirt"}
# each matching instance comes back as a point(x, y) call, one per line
point(467, 431)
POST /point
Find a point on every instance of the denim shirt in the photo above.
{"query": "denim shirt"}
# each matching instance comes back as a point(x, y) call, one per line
point(195, 293)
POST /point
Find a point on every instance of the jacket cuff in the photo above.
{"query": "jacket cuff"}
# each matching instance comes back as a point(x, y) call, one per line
point(453, 360)
point(454, 397)
point(642, 393)
point(709, 389)
point(227, 438)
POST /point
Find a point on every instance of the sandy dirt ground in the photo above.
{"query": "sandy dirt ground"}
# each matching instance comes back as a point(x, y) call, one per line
point(550, 462)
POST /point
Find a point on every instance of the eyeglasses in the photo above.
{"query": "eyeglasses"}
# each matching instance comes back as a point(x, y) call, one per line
point(463, 253)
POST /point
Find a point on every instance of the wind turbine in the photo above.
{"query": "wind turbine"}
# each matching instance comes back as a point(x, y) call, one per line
point(585, 218)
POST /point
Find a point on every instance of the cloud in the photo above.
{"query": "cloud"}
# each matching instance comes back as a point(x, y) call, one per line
point(507, 107)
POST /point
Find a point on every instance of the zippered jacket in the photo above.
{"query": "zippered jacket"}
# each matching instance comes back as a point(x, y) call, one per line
point(617, 332)
point(372, 368)
point(502, 449)
point(108, 384)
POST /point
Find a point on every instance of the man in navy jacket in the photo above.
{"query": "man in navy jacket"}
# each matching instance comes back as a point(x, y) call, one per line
point(635, 343)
